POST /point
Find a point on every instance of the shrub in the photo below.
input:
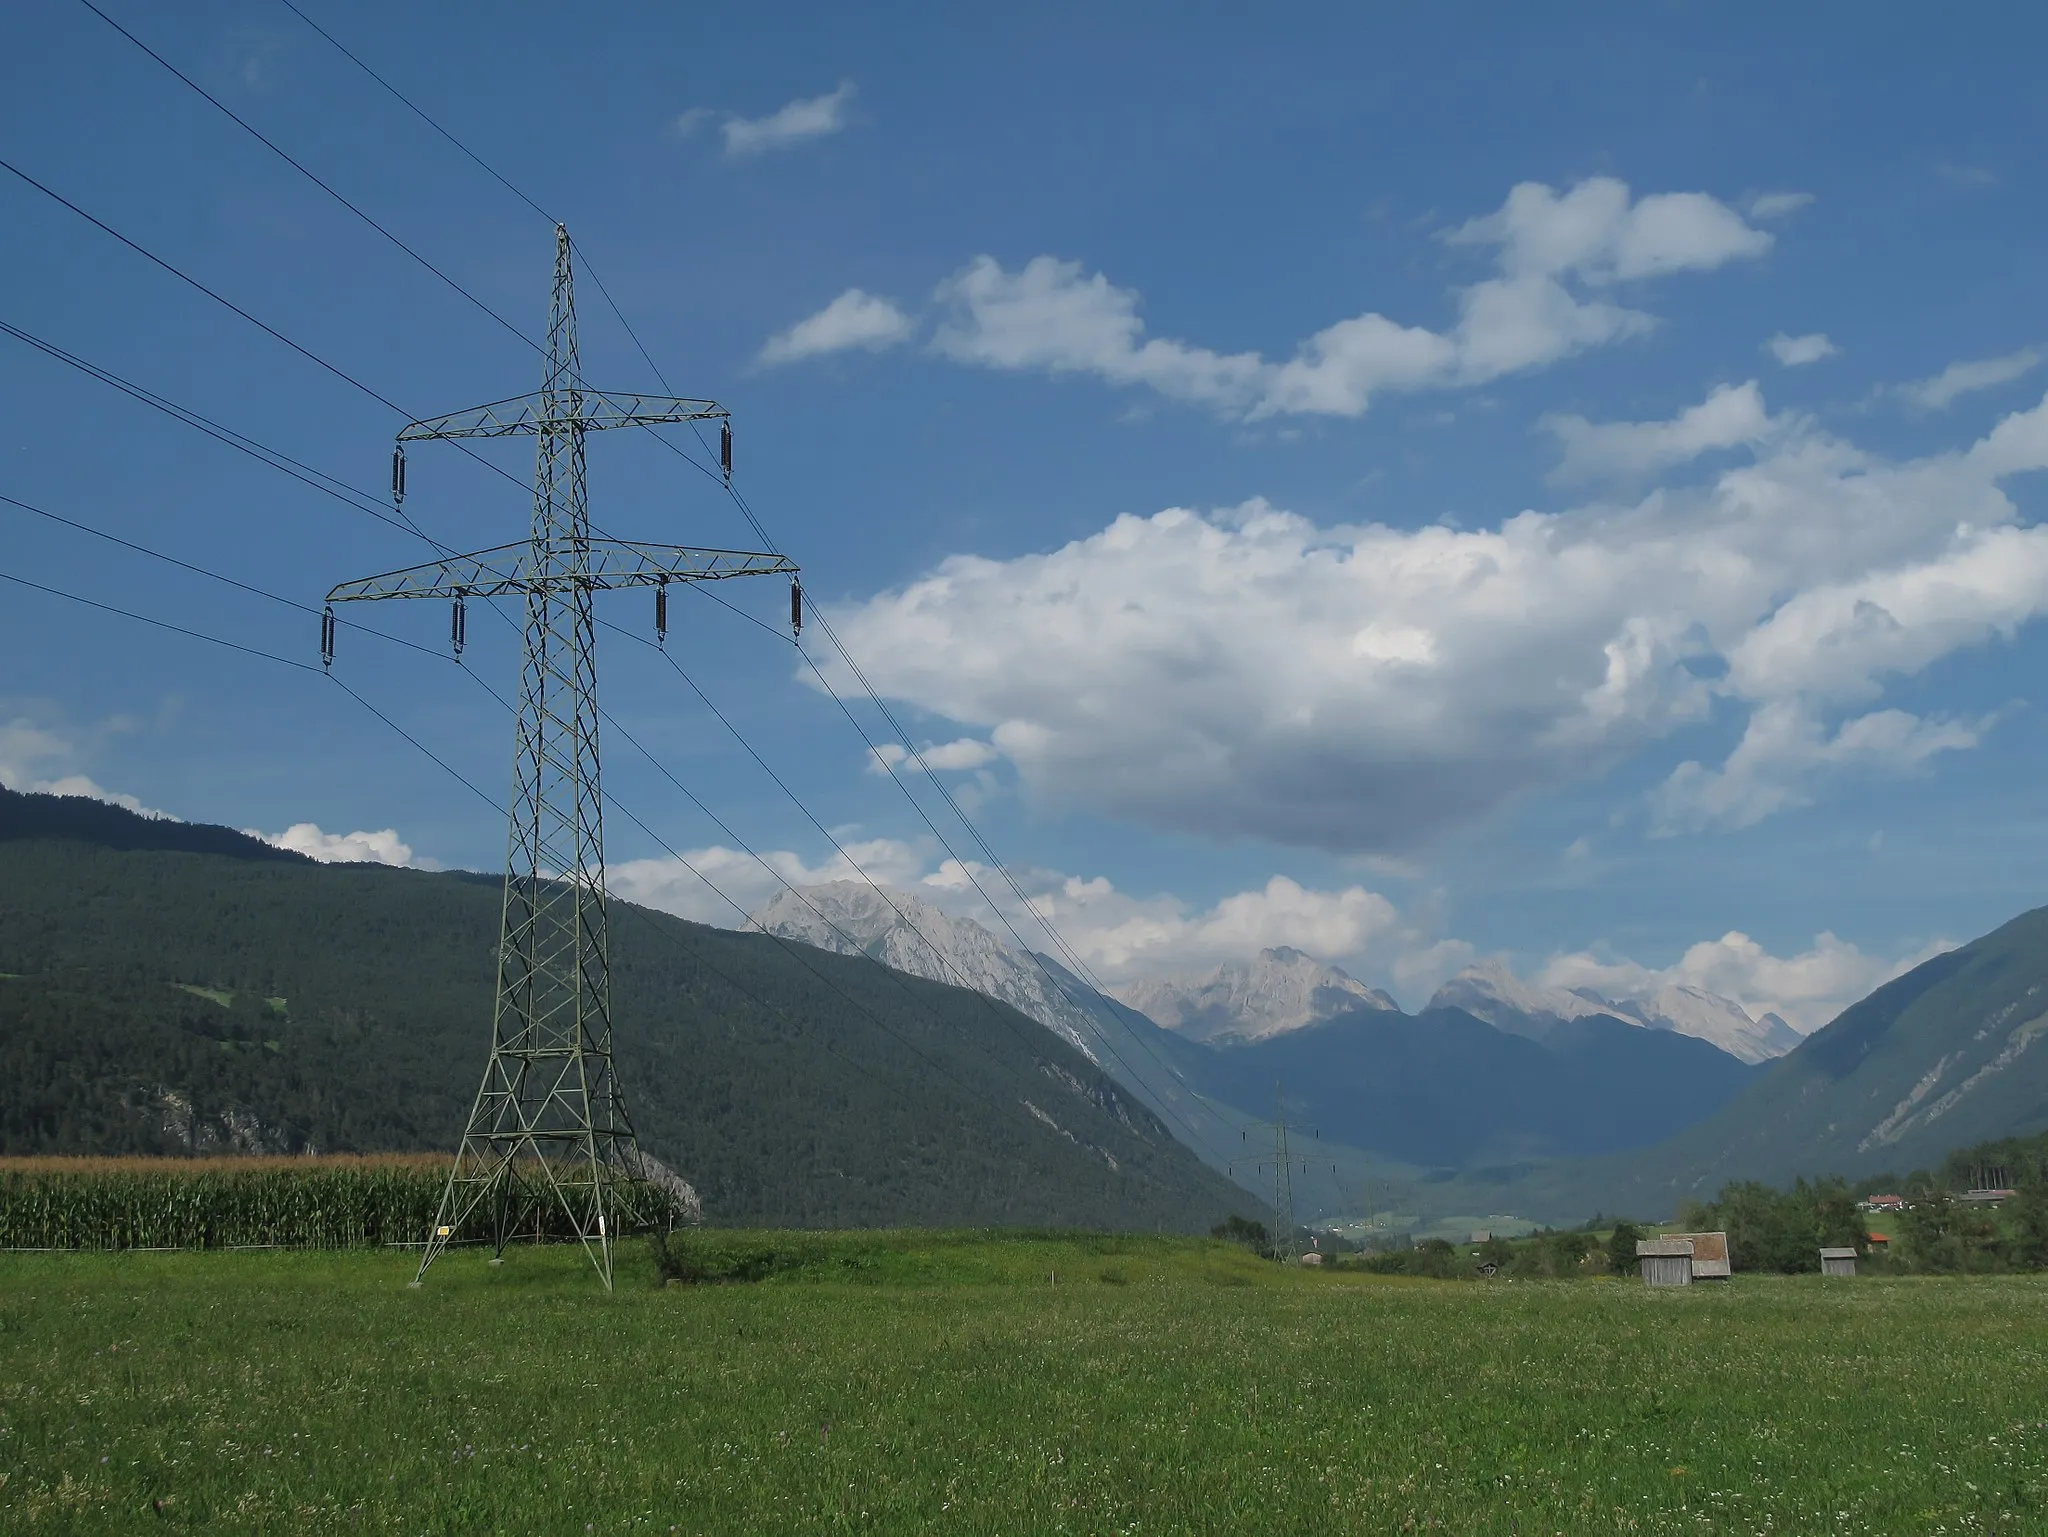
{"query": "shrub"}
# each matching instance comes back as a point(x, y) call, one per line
point(1253, 1235)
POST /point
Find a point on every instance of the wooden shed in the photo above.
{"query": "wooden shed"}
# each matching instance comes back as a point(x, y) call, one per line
point(1709, 1255)
point(1838, 1262)
point(1665, 1261)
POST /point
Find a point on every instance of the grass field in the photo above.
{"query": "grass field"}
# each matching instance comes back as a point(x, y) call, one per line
point(944, 1383)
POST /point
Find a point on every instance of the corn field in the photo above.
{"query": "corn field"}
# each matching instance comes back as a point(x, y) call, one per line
point(222, 1203)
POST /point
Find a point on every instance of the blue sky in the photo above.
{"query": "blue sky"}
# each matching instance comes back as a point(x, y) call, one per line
point(1648, 591)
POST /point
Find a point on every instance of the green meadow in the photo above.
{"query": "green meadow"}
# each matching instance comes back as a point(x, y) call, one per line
point(928, 1382)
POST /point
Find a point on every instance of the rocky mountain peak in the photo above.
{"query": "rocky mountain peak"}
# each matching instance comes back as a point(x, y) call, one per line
point(909, 934)
point(1278, 990)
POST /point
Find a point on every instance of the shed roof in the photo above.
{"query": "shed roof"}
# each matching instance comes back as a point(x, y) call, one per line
point(1838, 1254)
point(1709, 1254)
point(1663, 1248)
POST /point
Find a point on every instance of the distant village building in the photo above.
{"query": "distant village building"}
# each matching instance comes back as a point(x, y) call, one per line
point(1988, 1195)
point(1838, 1262)
point(1709, 1255)
point(1883, 1203)
point(1665, 1261)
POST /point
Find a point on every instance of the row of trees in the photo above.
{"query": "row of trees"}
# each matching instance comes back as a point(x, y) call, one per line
point(1769, 1230)
point(1937, 1233)
point(1780, 1230)
point(1578, 1252)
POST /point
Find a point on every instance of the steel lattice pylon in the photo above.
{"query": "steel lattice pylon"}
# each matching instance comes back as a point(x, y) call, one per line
point(549, 1136)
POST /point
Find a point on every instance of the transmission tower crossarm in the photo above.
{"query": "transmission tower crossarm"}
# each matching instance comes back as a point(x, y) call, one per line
point(588, 411)
point(595, 565)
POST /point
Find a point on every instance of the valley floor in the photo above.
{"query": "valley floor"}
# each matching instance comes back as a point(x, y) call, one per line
point(944, 1383)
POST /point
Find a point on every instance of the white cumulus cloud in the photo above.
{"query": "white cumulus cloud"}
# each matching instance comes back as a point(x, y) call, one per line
point(691, 887)
point(40, 760)
point(1116, 935)
point(1122, 937)
point(1958, 379)
point(1248, 672)
point(1732, 416)
point(1776, 205)
point(1557, 255)
point(1786, 748)
point(812, 117)
point(382, 847)
point(1798, 351)
point(948, 757)
point(855, 319)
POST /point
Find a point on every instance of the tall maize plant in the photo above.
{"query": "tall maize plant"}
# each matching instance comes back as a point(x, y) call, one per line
point(217, 1203)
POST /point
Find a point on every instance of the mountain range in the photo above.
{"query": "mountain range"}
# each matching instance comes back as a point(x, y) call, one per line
point(1953, 1052)
point(1278, 990)
point(1209, 1050)
point(1490, 991)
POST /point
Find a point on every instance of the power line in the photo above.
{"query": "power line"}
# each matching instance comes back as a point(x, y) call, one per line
point(430, 754)
point(1165, 1109)
point(269, 330)
point(788, 949)
point(1079, 966)
point(990, 1004)
point(488, 169)
point(319, 480)
point(939, 955)
point(296, 165)
point(1003, 918)
point(184, 565)
point(161, 624)
point(909, 742)
point(405, 102)
point(186, 278)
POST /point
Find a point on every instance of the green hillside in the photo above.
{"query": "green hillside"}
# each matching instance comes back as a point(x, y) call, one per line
point(168, 988)
point(1949, 1054)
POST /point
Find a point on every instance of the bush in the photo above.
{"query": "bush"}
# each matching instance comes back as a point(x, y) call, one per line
point(1433, 1257)
point(1621, 1247)
point(1253, 1235)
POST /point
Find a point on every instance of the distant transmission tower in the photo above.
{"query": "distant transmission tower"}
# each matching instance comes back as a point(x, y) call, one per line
point(549, 1129)
point(1283, 1175)
point(1281, 1166)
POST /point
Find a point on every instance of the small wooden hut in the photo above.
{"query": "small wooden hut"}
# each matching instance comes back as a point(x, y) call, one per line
point(1838, 1262)
point(1665, 1261)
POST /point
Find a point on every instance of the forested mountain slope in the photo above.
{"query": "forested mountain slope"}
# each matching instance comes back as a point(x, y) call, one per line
point(170, 985)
